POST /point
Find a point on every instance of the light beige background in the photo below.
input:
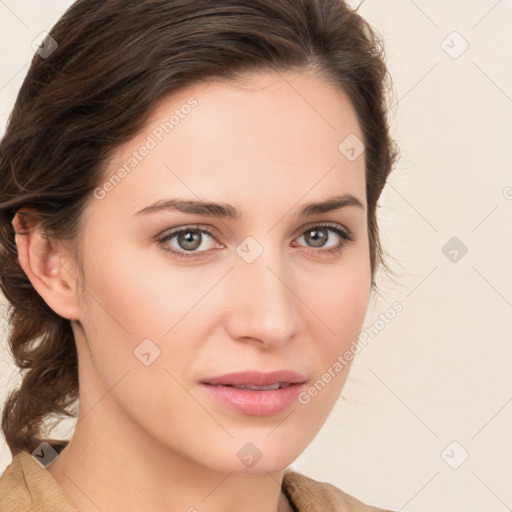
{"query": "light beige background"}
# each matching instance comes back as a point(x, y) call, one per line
point(439, 372)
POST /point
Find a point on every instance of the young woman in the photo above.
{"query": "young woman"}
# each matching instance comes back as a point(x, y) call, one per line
point(188, 242)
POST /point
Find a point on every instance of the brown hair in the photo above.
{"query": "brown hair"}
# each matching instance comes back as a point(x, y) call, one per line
point(114, 61)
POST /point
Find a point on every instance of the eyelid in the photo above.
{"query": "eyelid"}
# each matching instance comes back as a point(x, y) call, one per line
point(209, 230)
point(333, 225)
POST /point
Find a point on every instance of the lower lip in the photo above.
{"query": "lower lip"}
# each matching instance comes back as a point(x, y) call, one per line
point(256, 403)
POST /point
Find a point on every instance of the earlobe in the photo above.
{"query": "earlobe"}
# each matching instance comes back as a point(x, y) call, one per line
point(41, 261)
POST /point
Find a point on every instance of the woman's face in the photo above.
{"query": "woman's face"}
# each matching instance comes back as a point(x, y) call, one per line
point(263, 291)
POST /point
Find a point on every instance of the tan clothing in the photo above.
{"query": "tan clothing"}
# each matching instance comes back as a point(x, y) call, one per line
point(27, 486)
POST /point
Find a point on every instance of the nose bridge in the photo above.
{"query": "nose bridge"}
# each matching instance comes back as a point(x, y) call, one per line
point(264, 302)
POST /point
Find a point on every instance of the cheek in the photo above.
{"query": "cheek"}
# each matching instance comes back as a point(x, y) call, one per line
point(143, 319)
point(132, 300)
point(142, 297)
point(339, 300)
point(342, 308)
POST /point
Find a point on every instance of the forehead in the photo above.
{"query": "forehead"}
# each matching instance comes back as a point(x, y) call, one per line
point(264, 136)
point(260, 104)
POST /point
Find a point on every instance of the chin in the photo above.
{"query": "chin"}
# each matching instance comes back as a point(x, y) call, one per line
point(259, 452)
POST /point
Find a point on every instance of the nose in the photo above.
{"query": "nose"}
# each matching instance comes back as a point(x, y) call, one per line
point(262, 300)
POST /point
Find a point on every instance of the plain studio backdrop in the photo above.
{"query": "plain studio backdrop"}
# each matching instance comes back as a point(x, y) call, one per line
point(426, 415)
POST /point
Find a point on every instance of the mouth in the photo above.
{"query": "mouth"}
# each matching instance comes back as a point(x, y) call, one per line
point(255, 393)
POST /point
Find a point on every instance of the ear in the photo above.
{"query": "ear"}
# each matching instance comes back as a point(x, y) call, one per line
point(47, 264)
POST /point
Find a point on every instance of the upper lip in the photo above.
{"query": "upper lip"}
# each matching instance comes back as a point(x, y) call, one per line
point(255, 378)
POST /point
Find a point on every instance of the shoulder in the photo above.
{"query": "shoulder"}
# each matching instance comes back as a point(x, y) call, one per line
point(14, 490)
point(9, 490)
point(27, 486)
point(311, 495)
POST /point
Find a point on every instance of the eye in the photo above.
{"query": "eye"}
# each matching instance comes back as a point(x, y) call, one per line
point(188, 239)
point(319, 235)
point(191, 238)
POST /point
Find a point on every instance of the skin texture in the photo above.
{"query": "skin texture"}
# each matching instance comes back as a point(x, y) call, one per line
point(149, 437)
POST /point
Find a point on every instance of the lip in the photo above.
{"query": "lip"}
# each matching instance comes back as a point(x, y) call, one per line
point(255, 402)
point(255, 378)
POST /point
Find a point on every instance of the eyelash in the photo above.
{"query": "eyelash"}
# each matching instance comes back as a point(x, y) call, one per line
point(345, 235)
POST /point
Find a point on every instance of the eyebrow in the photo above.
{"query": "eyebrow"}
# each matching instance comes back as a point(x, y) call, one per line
point(227, 211)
